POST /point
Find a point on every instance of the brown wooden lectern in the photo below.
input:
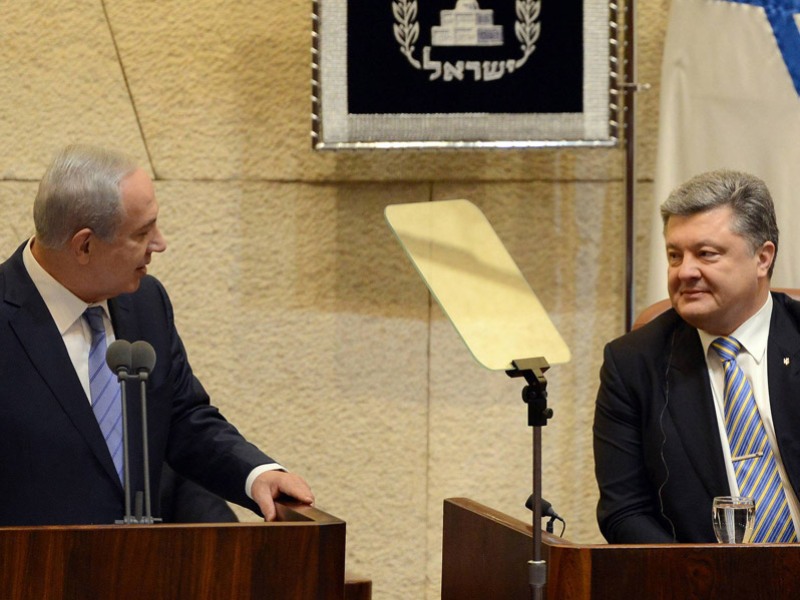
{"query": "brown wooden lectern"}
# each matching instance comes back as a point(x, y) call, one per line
point(299, 557)
point(485, 555)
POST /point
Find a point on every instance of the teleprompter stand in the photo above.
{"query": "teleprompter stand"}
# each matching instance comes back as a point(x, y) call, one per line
point(484, 294)
point(535, 396)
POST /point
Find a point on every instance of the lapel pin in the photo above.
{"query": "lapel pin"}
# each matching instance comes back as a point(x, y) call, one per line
point(786, 361)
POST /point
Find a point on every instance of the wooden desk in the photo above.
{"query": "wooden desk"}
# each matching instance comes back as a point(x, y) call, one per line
point(300, 557)
point(485, 555)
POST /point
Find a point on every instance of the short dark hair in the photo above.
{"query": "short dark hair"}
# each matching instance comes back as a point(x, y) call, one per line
point(747, 195)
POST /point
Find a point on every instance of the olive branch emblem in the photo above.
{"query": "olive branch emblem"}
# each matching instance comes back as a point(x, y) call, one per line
point(406, 28)
point(527, 28)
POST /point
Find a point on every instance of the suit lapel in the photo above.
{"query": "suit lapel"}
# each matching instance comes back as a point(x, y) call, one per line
point(38, 335)
point(783, 368)
point(691, 406)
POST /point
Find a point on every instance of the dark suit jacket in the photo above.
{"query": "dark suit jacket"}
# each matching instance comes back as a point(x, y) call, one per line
point(183, 501)
point(658, 455)
point(55, 467)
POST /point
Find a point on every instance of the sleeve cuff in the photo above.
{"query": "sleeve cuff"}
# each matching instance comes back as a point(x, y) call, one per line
point(258, 471)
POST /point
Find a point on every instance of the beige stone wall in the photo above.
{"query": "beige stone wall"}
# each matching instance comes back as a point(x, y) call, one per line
point(300, 312)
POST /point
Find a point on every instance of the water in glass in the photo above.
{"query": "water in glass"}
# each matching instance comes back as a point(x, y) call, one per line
point(734, 517)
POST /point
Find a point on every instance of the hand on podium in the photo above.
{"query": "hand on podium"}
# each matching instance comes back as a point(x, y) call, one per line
point(271, 484)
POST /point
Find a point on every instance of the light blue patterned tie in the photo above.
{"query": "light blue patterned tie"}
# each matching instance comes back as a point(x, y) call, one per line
point(754, 463)
point(106, 396)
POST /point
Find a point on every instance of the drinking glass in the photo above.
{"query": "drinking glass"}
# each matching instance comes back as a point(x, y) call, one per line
point(734, 517)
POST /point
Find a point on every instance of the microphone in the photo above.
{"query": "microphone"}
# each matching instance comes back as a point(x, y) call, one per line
point(547, 508)
point(134, 361)
point(142, 357)
point(118, 358)
point(547, 511)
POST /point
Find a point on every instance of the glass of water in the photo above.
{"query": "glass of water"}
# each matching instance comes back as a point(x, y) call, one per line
point(734, 517)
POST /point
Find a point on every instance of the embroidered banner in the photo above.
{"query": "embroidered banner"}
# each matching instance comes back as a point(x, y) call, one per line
point(461, 72)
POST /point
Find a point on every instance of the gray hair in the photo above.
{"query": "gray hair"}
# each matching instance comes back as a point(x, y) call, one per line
point(81, 188)
point(746, 195)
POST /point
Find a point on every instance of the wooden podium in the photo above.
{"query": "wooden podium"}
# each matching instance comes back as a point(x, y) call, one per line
point(485, 555)
point(301, 556)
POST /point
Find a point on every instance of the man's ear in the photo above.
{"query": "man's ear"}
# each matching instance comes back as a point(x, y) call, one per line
point(81, 244)
point(766, 256)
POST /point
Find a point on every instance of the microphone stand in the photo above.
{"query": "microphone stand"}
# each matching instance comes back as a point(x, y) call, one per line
point(138, 357)
point(122, 376)
point(148, 515)
point(535, 396)
point(138, 517)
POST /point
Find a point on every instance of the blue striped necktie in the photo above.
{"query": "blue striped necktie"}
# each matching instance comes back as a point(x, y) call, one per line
point(106, 396)
point(753, 460)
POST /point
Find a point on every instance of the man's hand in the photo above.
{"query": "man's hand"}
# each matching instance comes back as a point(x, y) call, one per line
point(271, 484)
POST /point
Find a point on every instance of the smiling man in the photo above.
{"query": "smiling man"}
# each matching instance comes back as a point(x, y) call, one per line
point(66, 294)
point(702, 401)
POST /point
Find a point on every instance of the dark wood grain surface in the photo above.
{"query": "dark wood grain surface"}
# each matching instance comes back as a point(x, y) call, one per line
point(485, 555)
point(300, 557)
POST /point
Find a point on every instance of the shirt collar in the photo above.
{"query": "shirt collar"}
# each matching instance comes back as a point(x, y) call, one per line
point(752, 334)
point(64, 306)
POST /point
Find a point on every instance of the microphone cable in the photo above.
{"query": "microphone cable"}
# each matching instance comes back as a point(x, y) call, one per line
point(664, 440)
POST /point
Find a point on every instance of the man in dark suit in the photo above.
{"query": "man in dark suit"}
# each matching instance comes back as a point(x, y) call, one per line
point(95, 217)
point(662, 450)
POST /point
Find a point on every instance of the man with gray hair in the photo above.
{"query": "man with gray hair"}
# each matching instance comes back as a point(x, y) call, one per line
point(702, 401)
point(66, 294)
